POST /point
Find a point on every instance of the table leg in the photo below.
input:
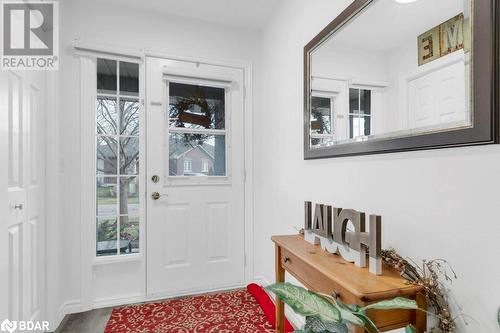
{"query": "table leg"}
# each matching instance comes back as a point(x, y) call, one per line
point(421, 316)
point(280, 307)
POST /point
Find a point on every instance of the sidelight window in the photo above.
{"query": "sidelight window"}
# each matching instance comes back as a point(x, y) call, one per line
point(117, 159)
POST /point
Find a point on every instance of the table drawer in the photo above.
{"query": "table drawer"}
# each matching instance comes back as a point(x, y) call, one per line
point(313, 279)
point(316, 281)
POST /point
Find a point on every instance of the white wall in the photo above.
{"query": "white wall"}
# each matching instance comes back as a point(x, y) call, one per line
point(95, 21)
point(434, 204)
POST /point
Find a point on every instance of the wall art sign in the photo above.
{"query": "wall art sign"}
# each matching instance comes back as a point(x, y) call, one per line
point(344, 231)
point(446, 38)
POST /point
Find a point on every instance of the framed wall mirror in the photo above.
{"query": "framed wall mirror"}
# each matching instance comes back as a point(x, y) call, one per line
point(397, 75)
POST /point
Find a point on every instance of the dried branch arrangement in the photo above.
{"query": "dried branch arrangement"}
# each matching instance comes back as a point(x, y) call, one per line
point(431, 276)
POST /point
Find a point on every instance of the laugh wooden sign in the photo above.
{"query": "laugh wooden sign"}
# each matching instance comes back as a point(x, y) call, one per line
point(344, 231)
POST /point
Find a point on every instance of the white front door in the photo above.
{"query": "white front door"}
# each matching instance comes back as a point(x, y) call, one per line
point(195, 167)
point(22, 194)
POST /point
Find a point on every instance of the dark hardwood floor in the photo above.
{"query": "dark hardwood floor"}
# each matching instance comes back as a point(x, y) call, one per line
point(93, 321)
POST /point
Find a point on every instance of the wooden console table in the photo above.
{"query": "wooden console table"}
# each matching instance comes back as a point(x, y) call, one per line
point(328, 273)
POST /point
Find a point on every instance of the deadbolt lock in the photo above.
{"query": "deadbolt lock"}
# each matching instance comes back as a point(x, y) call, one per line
point(155, 195)
point(155, 179)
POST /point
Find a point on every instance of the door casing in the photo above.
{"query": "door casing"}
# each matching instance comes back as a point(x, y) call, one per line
point(93, 49)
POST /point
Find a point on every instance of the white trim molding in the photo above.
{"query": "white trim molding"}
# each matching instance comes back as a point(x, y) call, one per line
point(104, 302)
point(87, 48)
point(88, 95)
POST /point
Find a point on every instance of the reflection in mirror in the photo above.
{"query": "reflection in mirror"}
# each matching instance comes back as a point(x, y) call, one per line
point(404, 76)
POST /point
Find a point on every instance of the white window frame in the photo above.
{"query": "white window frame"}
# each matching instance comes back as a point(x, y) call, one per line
point(187, 76)
point(88, 87)
point(118, 97)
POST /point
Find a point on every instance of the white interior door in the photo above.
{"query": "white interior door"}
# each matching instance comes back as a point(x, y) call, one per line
point(22, 194)
point(438, 97)
point(195, 148)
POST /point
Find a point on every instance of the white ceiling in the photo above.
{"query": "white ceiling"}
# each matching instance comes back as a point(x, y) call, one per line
point(248, 14)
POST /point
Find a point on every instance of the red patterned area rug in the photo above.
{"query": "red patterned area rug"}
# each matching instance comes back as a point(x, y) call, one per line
point(233, 311)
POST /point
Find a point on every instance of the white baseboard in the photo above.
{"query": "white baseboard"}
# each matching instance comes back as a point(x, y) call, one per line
point(66, 308)
point(193, 292)
point(296, 320)
point(106, 302)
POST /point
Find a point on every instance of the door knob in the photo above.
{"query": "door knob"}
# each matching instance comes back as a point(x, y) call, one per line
point(18, 207)
point(156, 195)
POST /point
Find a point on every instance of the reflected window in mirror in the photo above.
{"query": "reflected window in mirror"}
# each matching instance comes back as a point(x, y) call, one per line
point(321, 121)
point(359, 112)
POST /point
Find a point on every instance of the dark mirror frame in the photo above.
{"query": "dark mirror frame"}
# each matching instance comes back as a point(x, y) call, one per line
point(485, 90)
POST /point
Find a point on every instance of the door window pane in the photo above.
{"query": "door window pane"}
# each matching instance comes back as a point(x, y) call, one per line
point(106, 76)
point(129, 116)
point(106, 237)
point(129, 155)
point(129, 234)
point(197, 148)
point(366, 125)
point(129, 78)
point(129, 195)
point(194, 106)
point(321, 115)
point(365, 100)
point(107, 155)
point(353, 100)
point(106, 195)
point(106, 116)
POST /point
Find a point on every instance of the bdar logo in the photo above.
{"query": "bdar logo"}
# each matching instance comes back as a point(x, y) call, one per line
point(8, 326)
